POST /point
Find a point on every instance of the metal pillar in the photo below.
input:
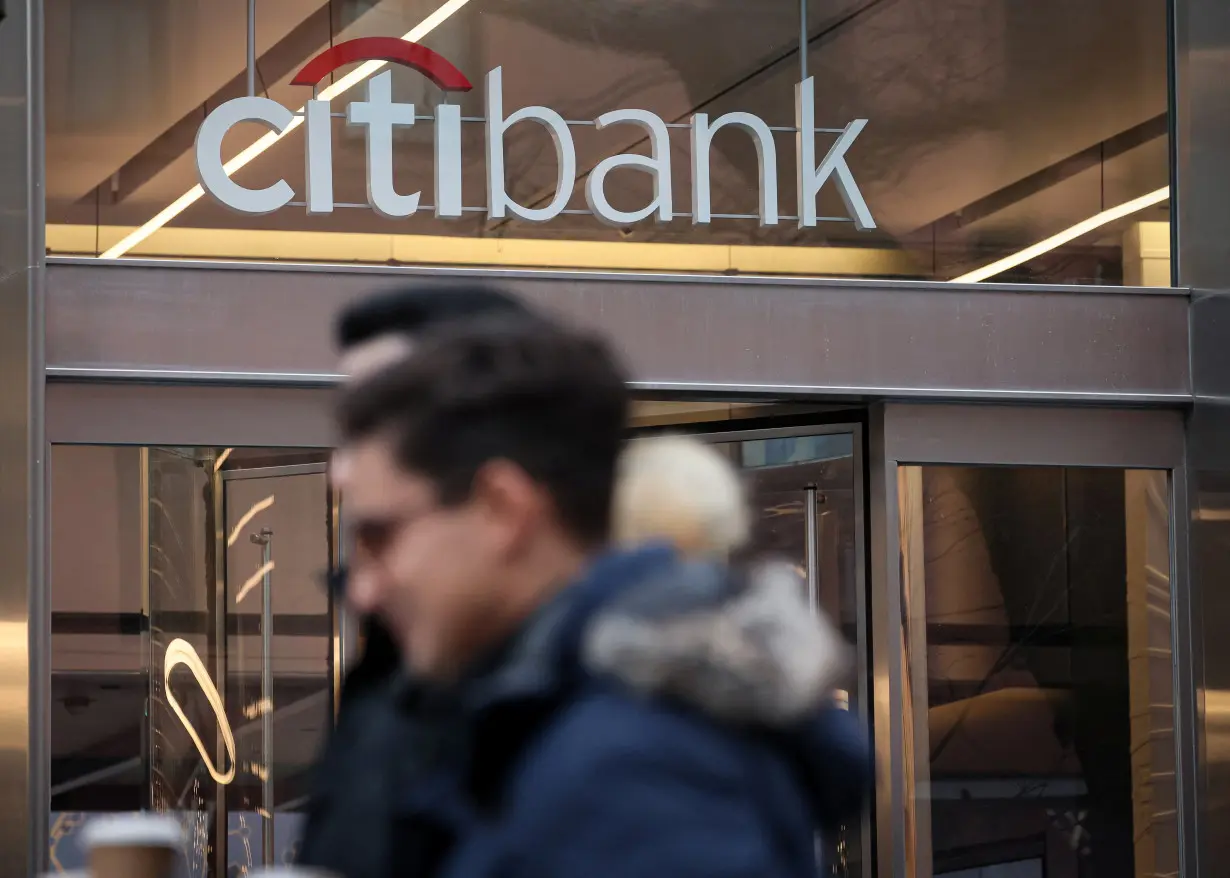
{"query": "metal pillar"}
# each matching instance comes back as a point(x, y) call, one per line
point(1201, 184)
point(24, 610)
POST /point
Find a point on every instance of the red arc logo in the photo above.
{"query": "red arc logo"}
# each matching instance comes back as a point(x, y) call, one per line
point(435, 67)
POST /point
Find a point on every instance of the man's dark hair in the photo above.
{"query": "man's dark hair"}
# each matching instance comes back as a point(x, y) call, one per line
point(549, 399)
point(411, 310)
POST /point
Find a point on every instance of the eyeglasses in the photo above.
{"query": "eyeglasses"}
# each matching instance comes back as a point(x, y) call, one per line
point(371, 538)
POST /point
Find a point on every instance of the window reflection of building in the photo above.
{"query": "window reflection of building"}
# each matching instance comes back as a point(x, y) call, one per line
point(150, 603)
point(992, 127)
point(182, 554)
point(1048, 670)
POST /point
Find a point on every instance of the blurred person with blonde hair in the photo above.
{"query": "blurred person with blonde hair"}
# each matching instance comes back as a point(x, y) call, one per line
point(683, 491)
point(740, 644)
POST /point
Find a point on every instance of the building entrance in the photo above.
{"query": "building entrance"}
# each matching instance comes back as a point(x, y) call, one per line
point(197, 653)
point(1010, 577)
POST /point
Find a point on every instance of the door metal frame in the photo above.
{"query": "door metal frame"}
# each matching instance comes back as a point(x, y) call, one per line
point(222, 825)
point(221, 416)
point(223, 477)
point(273, 472)
point(920, 434)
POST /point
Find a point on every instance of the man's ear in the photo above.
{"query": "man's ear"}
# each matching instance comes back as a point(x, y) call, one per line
point(512, 500)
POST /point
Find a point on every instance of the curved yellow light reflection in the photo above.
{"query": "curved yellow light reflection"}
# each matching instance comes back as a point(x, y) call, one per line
point(180, 652)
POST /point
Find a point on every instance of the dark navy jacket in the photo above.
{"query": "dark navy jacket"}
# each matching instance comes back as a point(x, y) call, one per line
point(349, 816)
point(659, 718)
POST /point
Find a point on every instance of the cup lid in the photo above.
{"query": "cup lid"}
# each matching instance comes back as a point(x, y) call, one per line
point(123, 830)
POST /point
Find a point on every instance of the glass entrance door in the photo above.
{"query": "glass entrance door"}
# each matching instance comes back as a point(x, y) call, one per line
point(1041, 670)
point(1028, 650)
point(198, 651)
point(187, 761)
point(279, 655)
point(241, 647)
point(805, 487)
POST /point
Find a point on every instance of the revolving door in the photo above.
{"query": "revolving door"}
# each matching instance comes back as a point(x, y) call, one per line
point(269, 526)
point(229, 656)
point(198, 655)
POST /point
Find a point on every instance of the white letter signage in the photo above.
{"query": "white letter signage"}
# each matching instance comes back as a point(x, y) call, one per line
point(209, 165)
point(499, 205)
point(318, 157)
point(657, 165)
point(811, 178)
point(766, 158)
point(380, 114)
point(448, 161)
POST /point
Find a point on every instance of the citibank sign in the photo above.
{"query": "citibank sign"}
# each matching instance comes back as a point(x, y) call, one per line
point(380, 115)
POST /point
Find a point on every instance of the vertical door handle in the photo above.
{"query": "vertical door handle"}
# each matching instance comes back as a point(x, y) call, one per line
point(811, 498)
point(265, 540)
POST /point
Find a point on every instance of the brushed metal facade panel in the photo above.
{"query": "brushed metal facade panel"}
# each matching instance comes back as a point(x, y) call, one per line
point(1129, 438)
point(778, 337)
point(24, 638)
point(204, 415)
point(1202, 187)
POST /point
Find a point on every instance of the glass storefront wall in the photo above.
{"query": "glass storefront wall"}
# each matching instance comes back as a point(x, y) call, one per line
point(193, 642)
point(991, 128)
point(196, 651)
point(1042, 674)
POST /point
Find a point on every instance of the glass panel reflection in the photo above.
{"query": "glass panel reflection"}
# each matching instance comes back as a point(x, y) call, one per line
point(990, 129)
point(279, 686)
point(1039, 602)
point(99, 668)
point(195, 645)
point(785, 476)
point(193, 666)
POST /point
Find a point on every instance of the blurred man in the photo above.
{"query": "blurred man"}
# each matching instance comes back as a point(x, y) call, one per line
point(351, 819)
point(612, 715)
point(372, 333)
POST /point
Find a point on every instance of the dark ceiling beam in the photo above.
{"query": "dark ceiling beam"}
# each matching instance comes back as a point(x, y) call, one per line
point(1052, 175)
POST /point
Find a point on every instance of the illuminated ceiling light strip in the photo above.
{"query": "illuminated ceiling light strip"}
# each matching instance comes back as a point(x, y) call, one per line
point(180, 652)
point(350, 80)
point(1082, 228)
point(257, 508)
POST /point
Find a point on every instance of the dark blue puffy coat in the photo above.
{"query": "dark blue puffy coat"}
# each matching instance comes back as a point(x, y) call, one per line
point(660, 719)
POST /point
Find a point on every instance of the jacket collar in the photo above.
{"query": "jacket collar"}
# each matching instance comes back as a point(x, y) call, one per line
point(543, 659)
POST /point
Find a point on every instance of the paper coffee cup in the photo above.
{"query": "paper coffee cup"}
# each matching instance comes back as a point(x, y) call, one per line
point(133, 845)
